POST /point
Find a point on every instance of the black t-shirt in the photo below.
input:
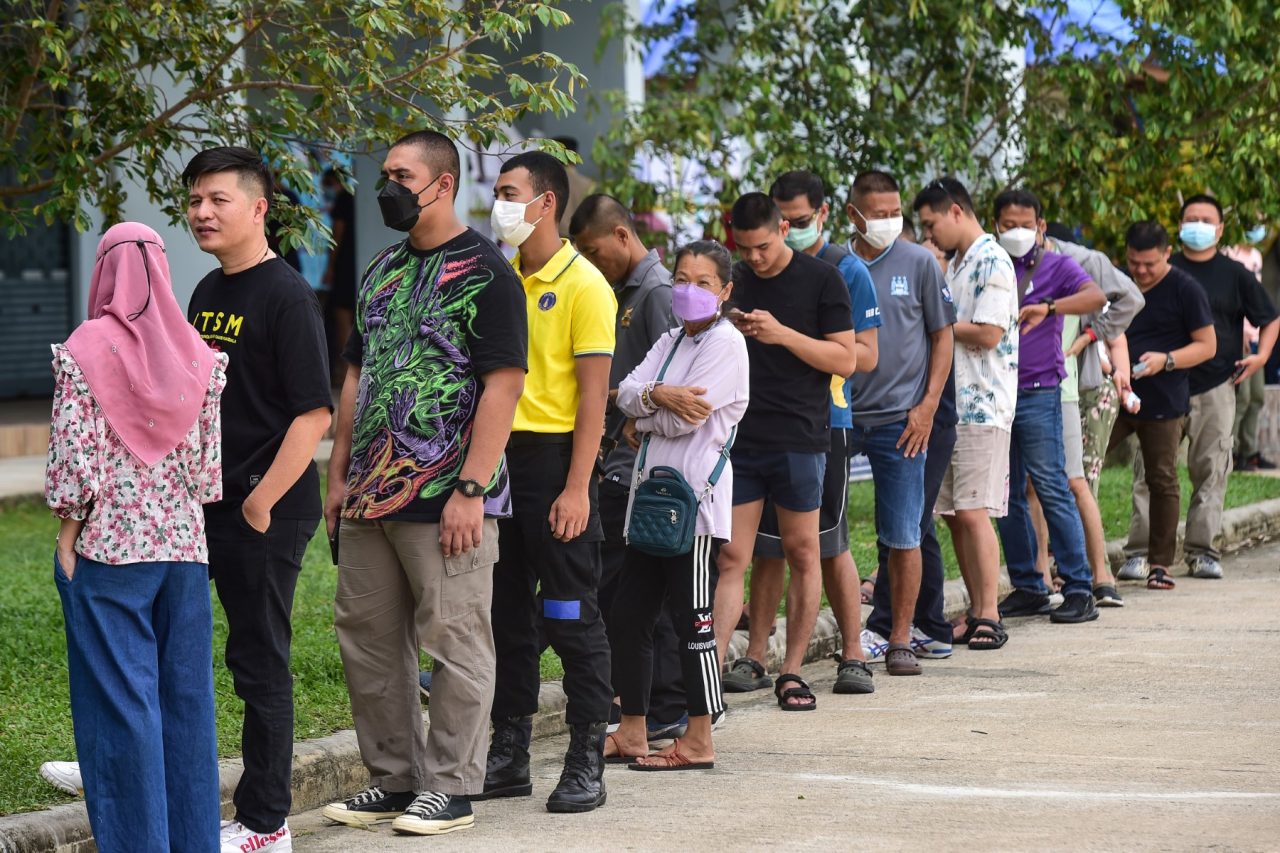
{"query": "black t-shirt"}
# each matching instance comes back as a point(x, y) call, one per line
point(1234, 294)
point(790, 407)
point(1175, 308)
point(267, 319)
point(429, 325)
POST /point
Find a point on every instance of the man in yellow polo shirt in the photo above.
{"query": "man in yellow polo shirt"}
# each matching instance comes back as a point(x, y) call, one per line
point(548, 571)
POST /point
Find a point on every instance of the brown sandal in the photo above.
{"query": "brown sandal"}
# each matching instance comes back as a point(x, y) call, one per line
point(901, 660)
point(618, 757)
point(673, 760)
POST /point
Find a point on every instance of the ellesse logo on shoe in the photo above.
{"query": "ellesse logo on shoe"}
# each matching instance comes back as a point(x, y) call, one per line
point(260, 842)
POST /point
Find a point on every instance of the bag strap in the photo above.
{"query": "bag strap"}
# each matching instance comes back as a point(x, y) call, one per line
point(644, 444)
point(1024, 280)
point(724, 460)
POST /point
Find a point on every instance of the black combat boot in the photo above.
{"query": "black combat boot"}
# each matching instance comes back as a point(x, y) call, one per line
point(507, 770)
point(581, 787)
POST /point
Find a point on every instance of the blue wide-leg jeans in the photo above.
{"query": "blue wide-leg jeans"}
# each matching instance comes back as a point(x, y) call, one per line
point(140, 661)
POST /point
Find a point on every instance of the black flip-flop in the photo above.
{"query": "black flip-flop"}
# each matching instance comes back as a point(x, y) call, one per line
point(1160, 579)
point(801, 692)
point(990, 633)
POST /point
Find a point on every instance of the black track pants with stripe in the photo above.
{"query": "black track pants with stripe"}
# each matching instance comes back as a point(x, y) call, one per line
point(689, 581)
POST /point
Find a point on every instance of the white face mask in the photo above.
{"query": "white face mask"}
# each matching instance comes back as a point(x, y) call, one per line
point(881, 233)
point(507, 221)
point(1018, 241)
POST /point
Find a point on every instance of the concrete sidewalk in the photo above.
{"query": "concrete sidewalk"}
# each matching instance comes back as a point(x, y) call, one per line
point(1154, 728)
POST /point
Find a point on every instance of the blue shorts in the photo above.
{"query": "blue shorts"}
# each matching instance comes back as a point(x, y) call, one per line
point(792, 480)
point(899, 484)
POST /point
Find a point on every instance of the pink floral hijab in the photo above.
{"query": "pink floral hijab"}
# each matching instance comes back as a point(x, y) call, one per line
point(144, 363)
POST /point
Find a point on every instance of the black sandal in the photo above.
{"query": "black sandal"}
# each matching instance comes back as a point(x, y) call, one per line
point(989, 633)
point(801, 692)
point(1160, 579)
point(969, 628)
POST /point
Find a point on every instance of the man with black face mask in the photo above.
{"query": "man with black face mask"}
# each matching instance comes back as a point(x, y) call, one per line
point(417, 481)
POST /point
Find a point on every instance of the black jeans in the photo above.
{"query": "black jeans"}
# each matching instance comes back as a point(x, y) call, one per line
point(929, 615)
point(541, 584)
point(688, 583)
point(255, 575)
point(666, 695)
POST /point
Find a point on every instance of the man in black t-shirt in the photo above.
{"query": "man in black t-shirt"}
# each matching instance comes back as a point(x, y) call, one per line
point(435, 366)
point(796, 316)
point(275, 409)
point(1171, 334)
point(1234, 295)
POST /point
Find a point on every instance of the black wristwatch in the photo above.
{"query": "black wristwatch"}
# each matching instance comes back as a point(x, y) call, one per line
point(470, 488)
point(1053, 309)
point(1168, 362)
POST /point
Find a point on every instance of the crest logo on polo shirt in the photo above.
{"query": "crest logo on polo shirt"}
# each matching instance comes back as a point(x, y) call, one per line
point(898, 286)
point(625, 322)
point(546, 301)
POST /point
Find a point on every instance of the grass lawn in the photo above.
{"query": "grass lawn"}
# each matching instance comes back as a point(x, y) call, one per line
point(35, 723)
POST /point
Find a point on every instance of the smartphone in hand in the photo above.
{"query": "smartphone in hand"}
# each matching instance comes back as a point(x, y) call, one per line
point(1238, 372)
point(333, 542)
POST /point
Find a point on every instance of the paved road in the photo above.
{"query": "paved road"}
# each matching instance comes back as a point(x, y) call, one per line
point(1155, 728)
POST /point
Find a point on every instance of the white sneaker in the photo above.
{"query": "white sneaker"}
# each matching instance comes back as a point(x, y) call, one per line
point(927, 647)
point(238, 838)
point(874, 646)
point(1134, 569)
point(63, 775)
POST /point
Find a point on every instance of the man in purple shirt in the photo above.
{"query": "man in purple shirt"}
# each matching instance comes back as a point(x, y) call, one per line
point(1049, 285)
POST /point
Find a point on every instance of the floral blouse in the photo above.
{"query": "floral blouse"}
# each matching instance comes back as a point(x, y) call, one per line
point(132, 513)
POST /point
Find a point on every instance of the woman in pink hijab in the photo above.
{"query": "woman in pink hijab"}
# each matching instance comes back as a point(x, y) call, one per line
point(134, 451)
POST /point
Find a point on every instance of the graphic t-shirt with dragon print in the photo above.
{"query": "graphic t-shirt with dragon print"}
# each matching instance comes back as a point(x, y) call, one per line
point(429, 325)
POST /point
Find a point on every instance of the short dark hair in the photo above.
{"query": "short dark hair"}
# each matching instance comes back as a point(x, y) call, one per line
point(713, 251)
point(438, 152)
point(249, 166)
point(546, 173)
point(599, 213)
point(1017, 198)
point(1202, 198)
point(799, 182)
point(1143, 236)
point(755, 210)
point(941, 193)
point(871, 181)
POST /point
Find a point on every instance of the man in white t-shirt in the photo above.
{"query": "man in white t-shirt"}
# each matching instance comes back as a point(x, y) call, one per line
point(981, 279)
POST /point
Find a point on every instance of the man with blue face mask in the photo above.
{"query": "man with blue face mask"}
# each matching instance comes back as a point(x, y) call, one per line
point(1234, 295)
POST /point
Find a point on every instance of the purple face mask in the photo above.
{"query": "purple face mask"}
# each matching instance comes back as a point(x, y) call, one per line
point(692, 304)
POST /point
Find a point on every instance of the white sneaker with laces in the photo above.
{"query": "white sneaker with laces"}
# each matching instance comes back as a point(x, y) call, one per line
point(874, 646)
point(63, 775)
point(238, 838)
point(927, 647)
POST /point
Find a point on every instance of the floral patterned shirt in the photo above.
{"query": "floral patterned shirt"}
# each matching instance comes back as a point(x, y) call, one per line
point(132, 513)
point(985, 290)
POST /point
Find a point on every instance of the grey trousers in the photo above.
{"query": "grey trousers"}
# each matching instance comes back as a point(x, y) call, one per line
point(1251, 395)
point(398, 593)
point(1208, 430)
